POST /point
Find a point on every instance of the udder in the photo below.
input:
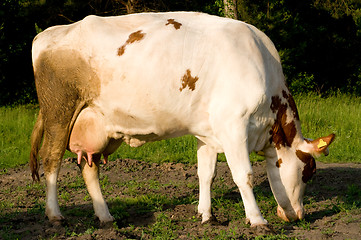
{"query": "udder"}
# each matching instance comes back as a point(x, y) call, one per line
point(89, 137)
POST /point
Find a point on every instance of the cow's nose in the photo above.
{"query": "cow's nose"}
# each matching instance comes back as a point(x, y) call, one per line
point(281, 214)
point(301, 214)
point(290, 216)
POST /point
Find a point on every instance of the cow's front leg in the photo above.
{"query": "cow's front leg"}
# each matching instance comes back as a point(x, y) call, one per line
point(235, 145)
point(91, 178)
point(240, 166)
point(207, 159)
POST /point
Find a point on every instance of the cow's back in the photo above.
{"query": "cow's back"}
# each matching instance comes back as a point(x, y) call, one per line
point(166, 73)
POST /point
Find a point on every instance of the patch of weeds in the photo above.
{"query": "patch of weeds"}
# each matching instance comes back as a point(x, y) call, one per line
point(142, 204)
point(78, 212)
point(132, 187)
point(136, 187)
point(222, 189)
point(192, 186)
point(90, 230)
point(104, 181)
point(65, 196)
point(3, 171)
point(349, 202)
point(119, 208)
point(6, 205)
point(327, 231)
point(274, 237)
point(257, 157)
point(154, 202)
point(230, 234)
point(304, 224)
point(214, 234)
point(266, 202)
point(87, 197)
point(5, 233)
point(37, 208)
point(231, 209)
point(35, 186)
point(76, 232)
point(353, 196)
point(105, 185)
point(50, 238)
point(77, 183)
point(71, 232)
point(194, 219)
point(156, 185)
point(6, 191)
point(122, 208)
point(163, 228)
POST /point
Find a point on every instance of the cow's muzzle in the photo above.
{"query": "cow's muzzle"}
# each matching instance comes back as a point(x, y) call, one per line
point(290, 216)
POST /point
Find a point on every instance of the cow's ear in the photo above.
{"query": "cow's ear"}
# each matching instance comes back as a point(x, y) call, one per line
point(320, 145)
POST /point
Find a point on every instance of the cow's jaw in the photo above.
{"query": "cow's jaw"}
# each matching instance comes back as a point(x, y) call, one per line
point(290, 216)
point(285, 177)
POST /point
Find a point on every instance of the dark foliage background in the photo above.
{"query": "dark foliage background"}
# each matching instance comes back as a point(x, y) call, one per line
point(319, 40)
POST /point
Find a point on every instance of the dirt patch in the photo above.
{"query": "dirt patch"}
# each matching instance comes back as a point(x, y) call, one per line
point(149, 200)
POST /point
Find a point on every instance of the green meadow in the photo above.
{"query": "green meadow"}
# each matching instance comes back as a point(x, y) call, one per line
point(339, 114)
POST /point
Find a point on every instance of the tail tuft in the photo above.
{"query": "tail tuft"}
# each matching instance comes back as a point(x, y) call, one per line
point(36, 138)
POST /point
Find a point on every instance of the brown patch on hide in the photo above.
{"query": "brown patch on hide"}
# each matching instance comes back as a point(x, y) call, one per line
point(134, 37)
point(65, 82)
point(176, 25)
point(282, 133)
point(188, 81)
point(291, 103)
point(250, 180)
point(310, 165)
point(278, 163)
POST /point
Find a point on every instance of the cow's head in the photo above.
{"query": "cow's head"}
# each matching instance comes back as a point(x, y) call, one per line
point(291, 158)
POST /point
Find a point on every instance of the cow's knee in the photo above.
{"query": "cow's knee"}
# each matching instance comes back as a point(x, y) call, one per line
point(244, 180)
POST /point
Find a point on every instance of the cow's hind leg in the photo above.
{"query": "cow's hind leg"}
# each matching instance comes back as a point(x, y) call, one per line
point(207, 159)
point(91, 178)
point(52, 151)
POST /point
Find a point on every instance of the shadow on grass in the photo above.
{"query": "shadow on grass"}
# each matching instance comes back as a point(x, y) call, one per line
point(331, 191)
point(80, 219)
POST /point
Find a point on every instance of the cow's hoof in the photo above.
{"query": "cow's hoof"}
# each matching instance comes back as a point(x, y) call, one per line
point(57, 221)
point(256, 222)
point(262, 229)
point(106, 225)
point(211, 221)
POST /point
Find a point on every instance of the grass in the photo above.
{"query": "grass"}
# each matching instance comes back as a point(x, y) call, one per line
point(339, 114)
point(15, 129)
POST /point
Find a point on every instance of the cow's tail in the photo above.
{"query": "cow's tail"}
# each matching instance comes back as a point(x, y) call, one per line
point(36, 138)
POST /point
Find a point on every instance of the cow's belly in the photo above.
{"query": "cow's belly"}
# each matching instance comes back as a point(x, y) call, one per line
point(136, 128)
point(100, 131)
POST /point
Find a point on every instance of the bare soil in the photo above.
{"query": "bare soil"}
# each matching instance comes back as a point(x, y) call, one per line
point(330, 201)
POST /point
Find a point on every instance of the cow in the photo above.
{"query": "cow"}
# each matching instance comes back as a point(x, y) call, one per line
point(145, 77)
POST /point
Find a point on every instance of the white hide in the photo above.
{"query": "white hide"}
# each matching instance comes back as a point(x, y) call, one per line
point(144, 94)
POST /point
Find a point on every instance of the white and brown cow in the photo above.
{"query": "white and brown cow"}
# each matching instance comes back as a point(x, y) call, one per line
point(145, 77)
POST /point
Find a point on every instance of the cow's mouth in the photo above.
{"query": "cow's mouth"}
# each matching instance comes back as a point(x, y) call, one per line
point(290, 216)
